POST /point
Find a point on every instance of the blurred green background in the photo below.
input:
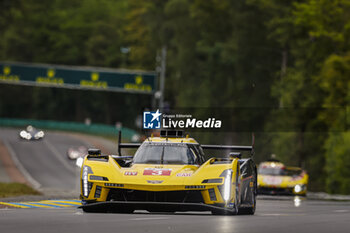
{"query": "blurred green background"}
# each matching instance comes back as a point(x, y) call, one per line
point(220, 53)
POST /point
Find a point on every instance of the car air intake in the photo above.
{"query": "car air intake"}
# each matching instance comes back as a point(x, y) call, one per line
point(212, 194)
point(98, 192)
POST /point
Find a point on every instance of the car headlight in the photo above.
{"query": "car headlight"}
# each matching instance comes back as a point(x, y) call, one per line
point(298, 188)
point(25, 135)
point(74, 154)
point(85, 184)
point(79, 162)
point(227, 186)
point(39, 134)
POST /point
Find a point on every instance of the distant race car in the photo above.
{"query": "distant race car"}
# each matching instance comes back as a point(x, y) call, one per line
point(275, 178)
point(76, 152)
point(31, 133)
point(167, 174)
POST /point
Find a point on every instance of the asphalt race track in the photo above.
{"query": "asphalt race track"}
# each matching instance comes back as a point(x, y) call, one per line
point(271, 216)
point(46, 162)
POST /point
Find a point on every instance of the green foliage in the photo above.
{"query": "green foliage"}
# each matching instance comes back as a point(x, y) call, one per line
point(338, 163)
point(317, 78)
point(16, 189)
point(328, 19)
point(63, 31)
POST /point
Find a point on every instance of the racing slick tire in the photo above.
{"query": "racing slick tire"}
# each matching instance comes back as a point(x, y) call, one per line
point(250, 210)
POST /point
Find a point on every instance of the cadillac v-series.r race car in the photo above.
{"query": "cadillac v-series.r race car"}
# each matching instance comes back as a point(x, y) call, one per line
point(275, 178)
point(167, 174)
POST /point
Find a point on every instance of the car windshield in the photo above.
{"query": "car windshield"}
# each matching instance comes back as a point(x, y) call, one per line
point(278, 171)
point(271, 171)
point(293, 172)
point(158, 153)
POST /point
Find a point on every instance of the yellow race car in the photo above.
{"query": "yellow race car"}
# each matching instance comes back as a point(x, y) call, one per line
point(275, 178)
point(168, 174)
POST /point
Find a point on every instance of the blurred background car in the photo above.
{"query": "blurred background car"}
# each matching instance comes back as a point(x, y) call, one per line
point(277, 179)
point(76, 152)
point(31, 133)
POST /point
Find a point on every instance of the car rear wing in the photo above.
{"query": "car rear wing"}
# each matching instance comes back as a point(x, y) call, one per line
point(227, 147)
point(211, 147)
point(232, 147)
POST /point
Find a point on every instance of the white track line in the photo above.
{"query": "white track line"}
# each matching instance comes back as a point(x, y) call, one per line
point(18, 164)
point(341, 211)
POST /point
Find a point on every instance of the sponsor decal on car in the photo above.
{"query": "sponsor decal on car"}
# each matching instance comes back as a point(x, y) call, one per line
point(156, 172)
point(154, 181)
point(184, 174)
point(130, 173)
point(272, 180)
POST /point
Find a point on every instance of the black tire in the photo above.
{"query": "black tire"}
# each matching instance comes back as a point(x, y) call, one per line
point(250, 210)
point(236, 207)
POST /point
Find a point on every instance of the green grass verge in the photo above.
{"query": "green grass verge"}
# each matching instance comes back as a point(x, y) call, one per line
point(16, 189)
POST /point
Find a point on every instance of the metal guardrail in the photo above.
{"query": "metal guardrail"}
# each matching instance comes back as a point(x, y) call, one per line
point(96, 129)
